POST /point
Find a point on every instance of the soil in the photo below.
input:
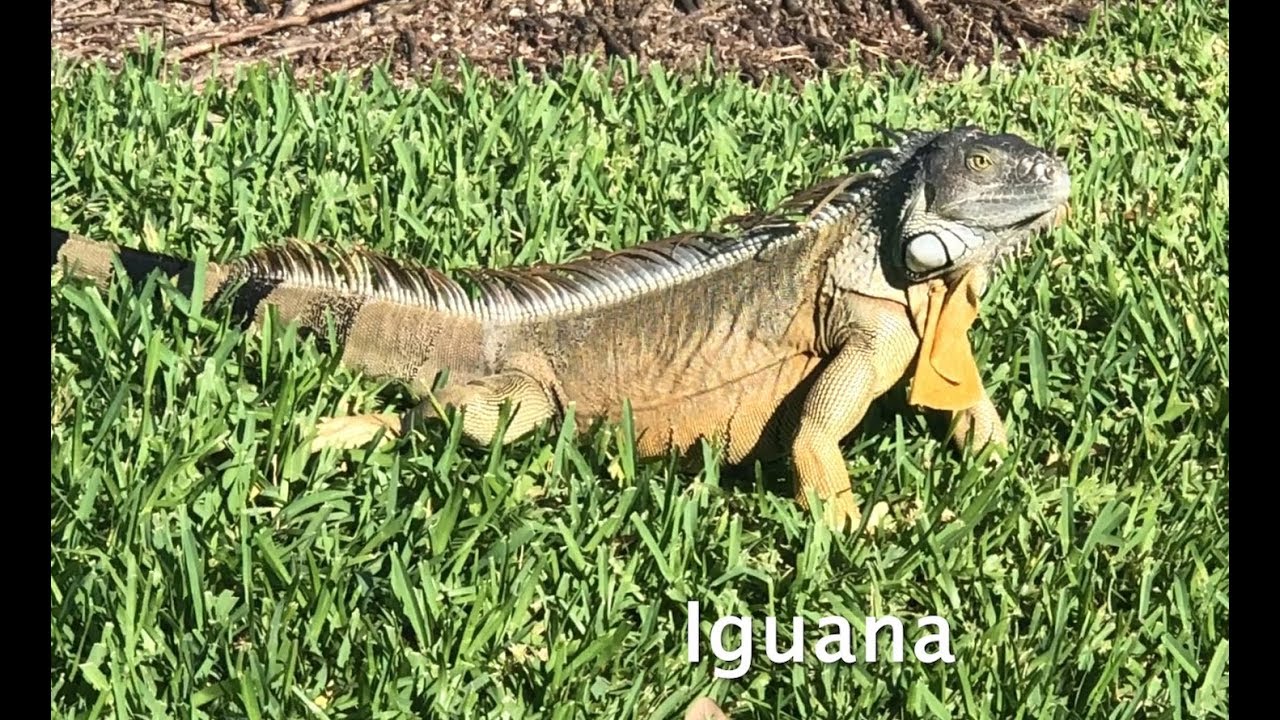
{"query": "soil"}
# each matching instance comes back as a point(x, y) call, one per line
point(755, 38)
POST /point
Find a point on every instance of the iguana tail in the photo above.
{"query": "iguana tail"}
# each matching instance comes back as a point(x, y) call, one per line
point(94, 261)
point(386, 317)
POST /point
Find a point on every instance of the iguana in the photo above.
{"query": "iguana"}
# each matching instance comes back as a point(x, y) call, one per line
point(769, 340)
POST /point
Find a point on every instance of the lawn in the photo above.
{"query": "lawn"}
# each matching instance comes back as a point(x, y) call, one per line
point(204, 564)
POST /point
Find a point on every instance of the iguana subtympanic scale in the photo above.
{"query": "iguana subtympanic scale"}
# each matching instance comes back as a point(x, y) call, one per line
point(768, 341)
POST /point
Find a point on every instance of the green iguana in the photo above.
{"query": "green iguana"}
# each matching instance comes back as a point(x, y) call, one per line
point(768, 341)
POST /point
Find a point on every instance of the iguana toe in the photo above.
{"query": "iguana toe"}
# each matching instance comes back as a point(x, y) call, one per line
point(843, 514)
point(353, 431)
point(876, 520)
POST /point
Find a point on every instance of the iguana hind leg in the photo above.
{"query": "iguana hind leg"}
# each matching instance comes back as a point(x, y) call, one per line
point(480, 401)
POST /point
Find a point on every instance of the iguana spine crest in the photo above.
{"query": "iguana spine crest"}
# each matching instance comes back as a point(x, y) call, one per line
point(510, 296)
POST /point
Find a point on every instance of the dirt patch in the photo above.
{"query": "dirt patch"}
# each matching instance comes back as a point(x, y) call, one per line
point(756, 38)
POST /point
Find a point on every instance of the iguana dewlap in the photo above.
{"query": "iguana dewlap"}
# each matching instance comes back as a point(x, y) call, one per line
point(946, 375)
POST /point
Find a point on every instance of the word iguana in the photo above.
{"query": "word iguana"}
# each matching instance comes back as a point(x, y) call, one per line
point(771, 340)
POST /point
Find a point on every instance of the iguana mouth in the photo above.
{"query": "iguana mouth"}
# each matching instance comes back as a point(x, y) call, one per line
point(1045, 220)
point(1027, 231)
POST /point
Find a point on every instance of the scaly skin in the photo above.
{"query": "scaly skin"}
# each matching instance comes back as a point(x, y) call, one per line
point(774, 346)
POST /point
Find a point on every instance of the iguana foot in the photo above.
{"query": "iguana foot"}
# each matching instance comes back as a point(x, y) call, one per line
point(979, 428)
point(482, 401)
point(843, 514)
point(820, 470)
point(352, 431)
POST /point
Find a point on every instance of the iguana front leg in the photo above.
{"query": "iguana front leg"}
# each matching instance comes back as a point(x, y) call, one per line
point(479, 400)
point(866, 367)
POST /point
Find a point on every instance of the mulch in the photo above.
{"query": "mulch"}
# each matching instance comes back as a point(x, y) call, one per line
point(756, 39)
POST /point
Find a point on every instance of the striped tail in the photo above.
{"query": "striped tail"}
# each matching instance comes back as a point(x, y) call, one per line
point(84, 258)
point(389, 319)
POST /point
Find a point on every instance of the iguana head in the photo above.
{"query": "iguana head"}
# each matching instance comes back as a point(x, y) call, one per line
point(972, 198)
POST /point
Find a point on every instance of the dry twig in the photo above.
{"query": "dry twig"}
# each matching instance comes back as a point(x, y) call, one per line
point(922, 18)
point(267, 27)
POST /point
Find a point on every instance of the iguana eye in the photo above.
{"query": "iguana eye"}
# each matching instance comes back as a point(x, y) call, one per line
point(978, 162)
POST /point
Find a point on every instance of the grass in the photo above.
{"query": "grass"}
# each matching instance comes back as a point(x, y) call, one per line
point(203, 564)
